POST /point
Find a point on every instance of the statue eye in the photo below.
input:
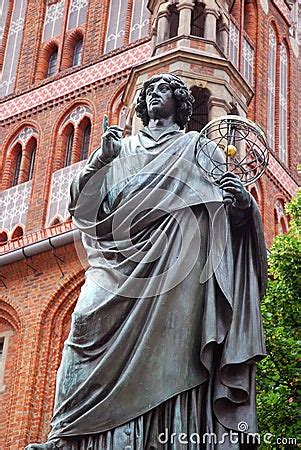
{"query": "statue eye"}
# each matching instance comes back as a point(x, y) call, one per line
point(164, 88)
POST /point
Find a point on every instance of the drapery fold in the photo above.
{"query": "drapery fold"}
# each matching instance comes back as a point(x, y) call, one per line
point(171, 299)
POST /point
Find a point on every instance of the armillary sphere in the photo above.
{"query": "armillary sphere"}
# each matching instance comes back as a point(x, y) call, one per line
point(235, 144)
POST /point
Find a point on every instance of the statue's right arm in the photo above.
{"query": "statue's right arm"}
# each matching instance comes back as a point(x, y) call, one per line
point(96, 167)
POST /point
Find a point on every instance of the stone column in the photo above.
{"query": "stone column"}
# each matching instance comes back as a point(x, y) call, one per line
point(210, 24)
point(224, 34)
point(185, 8)
point(163, 26)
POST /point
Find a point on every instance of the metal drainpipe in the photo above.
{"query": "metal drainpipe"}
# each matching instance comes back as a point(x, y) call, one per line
point(39, 247)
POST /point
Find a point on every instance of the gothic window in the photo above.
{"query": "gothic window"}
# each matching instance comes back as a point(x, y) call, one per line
point(198, 20)
point(247, 61)
point(219, 34)
point(3, 241)
point(53, 21)
point(281, 223)
point(283, 101)
point(200, 115)
point(77, 53)
point(249, 36)
point(77, 13)
point(31, 162)
point(271, 87)
point(234, 44)
point(69, 145)
point(85, 142)
point(173, 21)
point(17, 233)
point(122, 117)
point(140, 20)
point(12, 50)
point(116, 25)
point(5, 7)
point(17, 167)
point(52, 63)
point(4, 345)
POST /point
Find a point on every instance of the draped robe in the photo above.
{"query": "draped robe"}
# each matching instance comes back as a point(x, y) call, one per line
point(170, 302)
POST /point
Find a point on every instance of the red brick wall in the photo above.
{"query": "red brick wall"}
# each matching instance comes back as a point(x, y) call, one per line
point(36, 300)
point(38, 309)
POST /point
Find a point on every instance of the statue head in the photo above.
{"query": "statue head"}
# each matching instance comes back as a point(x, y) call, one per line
point(182, 96)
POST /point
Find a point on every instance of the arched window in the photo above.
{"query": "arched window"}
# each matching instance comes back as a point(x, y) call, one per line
point(220, 34)
point(18, 233)
point(31, 162)
point(17, 167)
point(271, 87)
point(140, 20)
point(69, 146)
point(52, 63)
point(85, 142)
point(77, 13)
point(122, 117)
point(200, 115)
point(116, 25)
point(12, 45)
point(281, 223)
point(198, 20)
point(173, 21)
point(55, 222)
point(3, 238)
point(77, 53)
point(283, 101)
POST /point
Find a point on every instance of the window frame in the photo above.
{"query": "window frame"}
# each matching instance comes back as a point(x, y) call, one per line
point(69, 148)
point(32, 162)
point(271, 86)
point(84, 151)
point(77, 56)
point(50, 73)
point(17, 169)
point(4, 336)
point(283, 102)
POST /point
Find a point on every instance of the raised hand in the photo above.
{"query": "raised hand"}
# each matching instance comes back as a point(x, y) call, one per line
point(111, 144)
point(234, 190)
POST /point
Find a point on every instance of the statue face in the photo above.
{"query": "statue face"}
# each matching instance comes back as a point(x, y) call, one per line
point(160, 100)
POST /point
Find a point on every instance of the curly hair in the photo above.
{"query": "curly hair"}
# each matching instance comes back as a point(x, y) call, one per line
point(184, 99)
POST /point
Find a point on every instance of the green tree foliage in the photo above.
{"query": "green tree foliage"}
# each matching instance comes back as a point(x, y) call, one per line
point(277, 375)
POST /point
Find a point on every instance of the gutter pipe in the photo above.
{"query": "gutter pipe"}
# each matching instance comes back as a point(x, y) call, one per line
point(39, 247)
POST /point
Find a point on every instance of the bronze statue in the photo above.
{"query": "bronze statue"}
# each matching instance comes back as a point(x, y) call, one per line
point(167, 328)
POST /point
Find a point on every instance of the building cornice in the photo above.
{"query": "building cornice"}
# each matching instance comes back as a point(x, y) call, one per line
point(73, 83)
point(191, 56)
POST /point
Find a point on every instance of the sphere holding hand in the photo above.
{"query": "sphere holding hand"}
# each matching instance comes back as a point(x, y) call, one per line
point(234, 190)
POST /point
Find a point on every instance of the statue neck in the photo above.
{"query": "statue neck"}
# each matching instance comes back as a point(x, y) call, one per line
point(161, 122)
point(158, 126)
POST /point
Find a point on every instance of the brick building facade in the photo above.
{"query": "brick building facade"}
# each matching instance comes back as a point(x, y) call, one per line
point(67, 63)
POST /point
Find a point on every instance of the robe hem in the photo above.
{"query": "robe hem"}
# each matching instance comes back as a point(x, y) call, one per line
point(119, 424)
